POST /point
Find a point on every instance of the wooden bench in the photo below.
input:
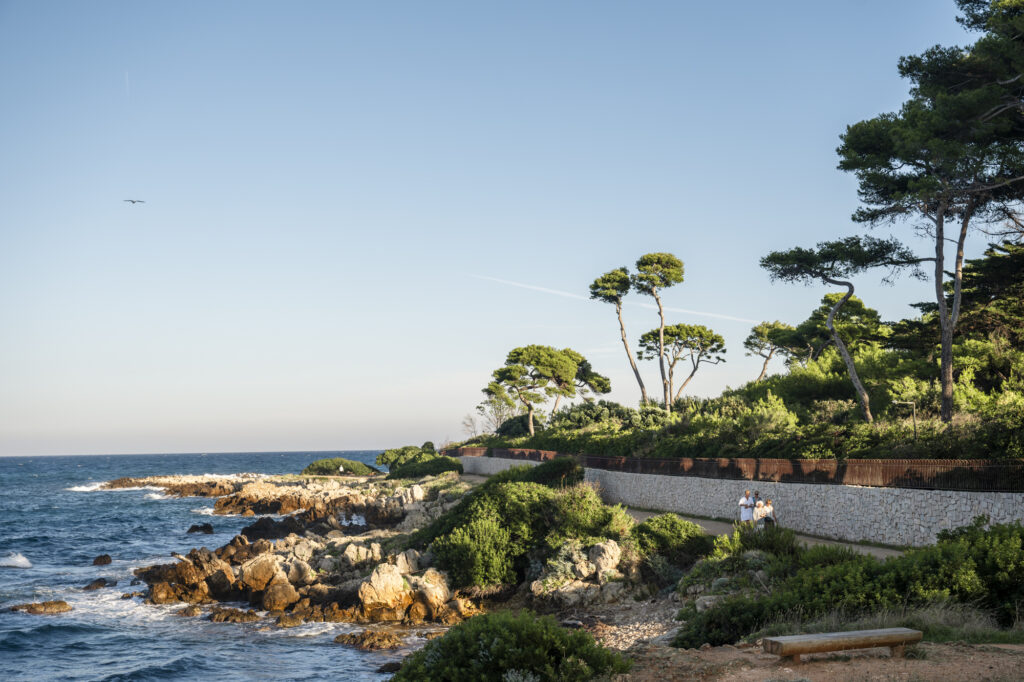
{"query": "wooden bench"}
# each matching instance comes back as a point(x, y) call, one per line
point(792, 646)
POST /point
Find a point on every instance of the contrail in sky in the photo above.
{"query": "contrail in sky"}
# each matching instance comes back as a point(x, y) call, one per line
point(569, 294)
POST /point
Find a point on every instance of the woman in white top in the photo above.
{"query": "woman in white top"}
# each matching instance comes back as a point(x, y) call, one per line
point(769, 514)
point(759, 514)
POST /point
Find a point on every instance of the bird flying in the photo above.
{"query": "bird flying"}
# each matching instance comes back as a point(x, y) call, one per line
point(135, 201)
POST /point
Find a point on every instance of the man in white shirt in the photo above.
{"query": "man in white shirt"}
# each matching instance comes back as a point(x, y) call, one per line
point(746, 508)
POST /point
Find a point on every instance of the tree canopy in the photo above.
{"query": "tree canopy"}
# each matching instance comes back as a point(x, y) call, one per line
point(765, 340)
point(693, 342)
point(531, 375)
point(656, 272)
point(611, 287)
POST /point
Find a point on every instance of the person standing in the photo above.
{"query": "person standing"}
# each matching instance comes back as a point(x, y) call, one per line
point(769, 513)
point(746, 508)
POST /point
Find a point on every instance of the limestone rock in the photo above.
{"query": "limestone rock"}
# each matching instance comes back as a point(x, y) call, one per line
point(370, 640)
point(605, 557)
point(102, 560)
point(98, 584)
point(279, 596)
point(43, 608)
point(204, 528)
point(299, 573)
point(226, 615)
point(257, 573)
point(385, 595)
point(706, 602)
point(408, 561)
point(189, 611)
point(288, 621)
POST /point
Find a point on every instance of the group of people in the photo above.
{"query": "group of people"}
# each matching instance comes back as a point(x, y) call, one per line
point(755, 511)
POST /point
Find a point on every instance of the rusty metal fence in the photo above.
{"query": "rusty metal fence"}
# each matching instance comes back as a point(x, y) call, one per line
point(928, 474)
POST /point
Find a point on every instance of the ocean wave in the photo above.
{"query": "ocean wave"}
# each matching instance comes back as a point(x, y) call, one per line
point(156, 496)
point(15, 560)
point(87, 488)
point(207, 511)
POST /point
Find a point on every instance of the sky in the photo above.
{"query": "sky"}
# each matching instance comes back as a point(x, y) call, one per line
point(354, 210)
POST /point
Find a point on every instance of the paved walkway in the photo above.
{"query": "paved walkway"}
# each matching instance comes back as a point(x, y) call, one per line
point(723, 527)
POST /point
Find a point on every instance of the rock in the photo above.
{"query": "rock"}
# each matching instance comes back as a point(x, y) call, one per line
point(303, 551)
point(102, 560)
point(408, 561)
point(665, 639)
point(279, 596)
point(99, 583)
point(391, 667)
point(43, 608)
point(370, 640)
point(226, 615)
point(706, 602)
point(612, 592)
point(205, 528)
point(288, 621)
point(461, 607)
point(721, 584)
point(430, 593)
point(189, 611)
point(356, 554)
point(575, 593)
point(257, 573)
point(299, 573)
point(583, 569)
point(267, 528)
point(605, 557)
point(162, 593)
point(385, 595)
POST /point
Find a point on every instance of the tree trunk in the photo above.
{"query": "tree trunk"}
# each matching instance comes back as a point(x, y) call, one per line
point(529, 418)
point(629, 354)
point(862, 395)
point(667, 391)
point(949, 318)
point(558, 399)
point(764, 367)
point(680, 392)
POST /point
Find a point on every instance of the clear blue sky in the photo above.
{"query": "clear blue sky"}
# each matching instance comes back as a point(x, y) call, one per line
point(333, 188)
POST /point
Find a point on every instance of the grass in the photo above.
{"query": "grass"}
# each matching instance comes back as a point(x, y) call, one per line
point(938, 623)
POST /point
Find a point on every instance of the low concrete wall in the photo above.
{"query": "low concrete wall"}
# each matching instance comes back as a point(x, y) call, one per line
point(894, 516)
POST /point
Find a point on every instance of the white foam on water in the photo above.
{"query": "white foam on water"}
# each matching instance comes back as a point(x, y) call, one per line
point(87, 488)
point(156, 496)
point(304, 630)
point(15, 560)
point(207, 511)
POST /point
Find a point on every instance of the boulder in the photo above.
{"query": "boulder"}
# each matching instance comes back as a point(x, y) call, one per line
point(99, 583)
point(575, 593)
point(612, 592)
point(43, 608)
point(162, 593)
point(279, 596)
point(370, 640)
point(584, 569)
point(385, 595)
point(226, 615)
point(706, 602)
point(205, 528)
point(102, 560)
point(189, 611)
point(257, 573)
point(288, 621)
point(408, 561)
point(303, 550)
point(356, 554)
point(605, 557)
point(299, 573)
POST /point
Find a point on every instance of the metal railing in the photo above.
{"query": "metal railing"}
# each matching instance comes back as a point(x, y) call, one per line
point(928, 474)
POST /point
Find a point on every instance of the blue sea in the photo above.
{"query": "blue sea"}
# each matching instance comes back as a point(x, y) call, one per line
point(53, 523)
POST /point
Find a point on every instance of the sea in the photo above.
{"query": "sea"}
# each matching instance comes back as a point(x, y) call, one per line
point(54, 522)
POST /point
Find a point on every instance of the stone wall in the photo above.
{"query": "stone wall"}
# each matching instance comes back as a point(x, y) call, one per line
point(893, 516)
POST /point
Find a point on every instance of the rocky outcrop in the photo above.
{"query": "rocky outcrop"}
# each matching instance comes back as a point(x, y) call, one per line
point(605, 558)
point(226, 615)
point(98, 584)
point(198, 577)
point(185, 486)
point(370, 640)
point(102, 560)
point(205, 528)
point(43, 608)
point(279, 596)
point(385, 595)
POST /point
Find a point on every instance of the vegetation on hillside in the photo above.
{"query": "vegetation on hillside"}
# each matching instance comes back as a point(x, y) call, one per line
point(339, 466)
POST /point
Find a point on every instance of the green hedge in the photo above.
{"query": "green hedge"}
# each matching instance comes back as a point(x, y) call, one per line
point(329, 467)
point(426, 467)
point(505, 646)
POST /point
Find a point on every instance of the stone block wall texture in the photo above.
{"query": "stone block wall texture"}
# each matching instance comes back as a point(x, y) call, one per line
point(893, 516)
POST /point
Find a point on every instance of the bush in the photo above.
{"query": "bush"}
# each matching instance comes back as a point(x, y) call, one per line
point(505, 646)
point(679, 541)
point(972, 565)
point(426, 467)
point(330, 467)
point(557, 473)
point(520, 426)
point(477, 553)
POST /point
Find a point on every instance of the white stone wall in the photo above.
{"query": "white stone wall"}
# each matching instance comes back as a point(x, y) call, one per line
point(485, 466)
point(894, 516)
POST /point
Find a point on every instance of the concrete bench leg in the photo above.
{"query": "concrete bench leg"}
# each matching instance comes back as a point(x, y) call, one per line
point(794, 659)
point(898, 651)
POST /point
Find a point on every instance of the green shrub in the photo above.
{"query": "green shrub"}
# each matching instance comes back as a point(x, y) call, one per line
point(426, 467)
point(557, 473)
point(330, 467)
point(679, 541)
point(504, 646)
point(477, 553)
point(580, 514)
